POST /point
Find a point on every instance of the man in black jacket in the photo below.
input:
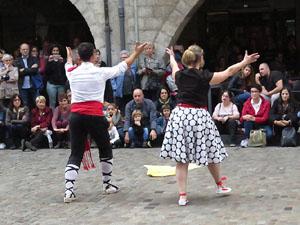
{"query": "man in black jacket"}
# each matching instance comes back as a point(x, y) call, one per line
point(28, 66)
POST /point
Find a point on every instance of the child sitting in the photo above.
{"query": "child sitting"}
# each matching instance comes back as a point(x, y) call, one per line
point(138, 134)
point(113, 134)
point(162, 121)
point(113, 112)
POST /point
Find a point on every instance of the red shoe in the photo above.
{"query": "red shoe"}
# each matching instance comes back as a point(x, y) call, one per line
point(182, 201)
point(222, 190)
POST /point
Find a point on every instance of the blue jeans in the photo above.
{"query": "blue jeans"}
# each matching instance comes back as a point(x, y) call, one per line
point(250, 125)
point(135, 139)
point(52, 91)
point(29, 96)
point(241, 98)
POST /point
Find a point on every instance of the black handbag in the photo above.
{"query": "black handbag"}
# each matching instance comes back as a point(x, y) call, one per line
point(288, 137)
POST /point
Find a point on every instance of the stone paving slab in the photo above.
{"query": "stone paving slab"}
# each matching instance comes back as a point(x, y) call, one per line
point(265, 183)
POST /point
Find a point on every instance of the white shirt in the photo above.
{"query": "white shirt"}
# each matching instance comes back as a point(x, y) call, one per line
point(256, 106)
point(113, 134)
point(87, 82)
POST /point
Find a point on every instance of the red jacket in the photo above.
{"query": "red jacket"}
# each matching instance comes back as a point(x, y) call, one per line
point(44, 120)
point(263, 113)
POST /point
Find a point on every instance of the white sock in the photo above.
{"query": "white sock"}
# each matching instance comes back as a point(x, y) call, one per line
point(71, 173)
point(106, 166)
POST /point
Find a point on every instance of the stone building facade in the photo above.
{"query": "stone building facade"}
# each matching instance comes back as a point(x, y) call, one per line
point(157, 21)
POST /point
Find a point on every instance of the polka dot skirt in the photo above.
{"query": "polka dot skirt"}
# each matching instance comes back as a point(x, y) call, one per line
point(191, 136)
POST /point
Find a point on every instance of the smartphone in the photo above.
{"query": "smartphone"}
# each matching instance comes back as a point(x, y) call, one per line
point(56, 56)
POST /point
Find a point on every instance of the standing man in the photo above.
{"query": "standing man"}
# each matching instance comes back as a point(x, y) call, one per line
point(271, 81)
point(28, 66)
point(87, 83)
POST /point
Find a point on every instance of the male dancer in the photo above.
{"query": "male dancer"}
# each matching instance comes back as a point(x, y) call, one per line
point(87, 83)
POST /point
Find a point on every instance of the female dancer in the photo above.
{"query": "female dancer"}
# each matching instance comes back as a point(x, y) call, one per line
point(191, 134)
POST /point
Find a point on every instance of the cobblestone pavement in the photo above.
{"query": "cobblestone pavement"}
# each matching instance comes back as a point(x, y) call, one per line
point(265, 183)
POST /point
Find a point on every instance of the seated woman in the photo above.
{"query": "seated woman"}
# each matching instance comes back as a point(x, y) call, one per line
point(60, 121)
point(284, 112)
point(240, 85)
point(255, 114)
point(163, 98)
point(225, 116)
point(40, 126)
point(17, 121)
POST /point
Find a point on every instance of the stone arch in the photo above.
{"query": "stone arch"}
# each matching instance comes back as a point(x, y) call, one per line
point(175, 24)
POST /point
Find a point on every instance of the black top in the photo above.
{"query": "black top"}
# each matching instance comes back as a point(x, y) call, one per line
point(193, 86)
point(270, 82)
point(55, 72)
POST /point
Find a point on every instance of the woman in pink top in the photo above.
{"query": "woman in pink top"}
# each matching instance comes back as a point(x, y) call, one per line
point(225, 117)
point(60, 121)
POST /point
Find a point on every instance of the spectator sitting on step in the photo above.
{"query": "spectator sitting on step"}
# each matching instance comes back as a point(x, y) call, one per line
point(17, 121)
point(225, 117)
point(114, 137)
point(240, 85)
point(284, 112)
point(138, 132)
point(255, 114)
point(162, 121)
point(147, 107)
point(163, 98)
point(60, 121)
point(2, 126)
point(113, 112)
point(40, 126)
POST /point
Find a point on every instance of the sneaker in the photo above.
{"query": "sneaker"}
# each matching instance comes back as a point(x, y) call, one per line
point(2, 146)
point(144, 144)
point(58, 145)
point(51, 144)
point(232, 145)
point(182, 201)
point(69, 198)
point(110, 189)
point(149, 144)
point(244, 143)
point(23, 144)
point(221, 190)
point(13, 147)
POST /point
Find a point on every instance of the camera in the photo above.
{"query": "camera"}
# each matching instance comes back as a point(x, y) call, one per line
point(56, 57)
point(5, 77)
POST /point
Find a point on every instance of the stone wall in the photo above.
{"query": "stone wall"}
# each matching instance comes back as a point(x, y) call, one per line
point(160, 22)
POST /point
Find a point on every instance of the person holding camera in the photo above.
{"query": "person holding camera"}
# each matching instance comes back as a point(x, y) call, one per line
point(55, 75)
point(226, 115)
point(151, 73)
point(8, 80)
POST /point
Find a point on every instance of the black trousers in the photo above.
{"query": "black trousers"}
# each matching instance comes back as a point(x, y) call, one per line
point(229, 127)
point(38, 139)
point(80, 127)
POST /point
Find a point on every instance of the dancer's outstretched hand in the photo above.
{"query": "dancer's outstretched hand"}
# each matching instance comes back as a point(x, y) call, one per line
point(250, 58)
point(170, 51)
point(139, 48)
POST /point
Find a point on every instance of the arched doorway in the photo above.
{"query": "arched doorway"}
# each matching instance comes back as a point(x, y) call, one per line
point(225, 28)
point(34, 21)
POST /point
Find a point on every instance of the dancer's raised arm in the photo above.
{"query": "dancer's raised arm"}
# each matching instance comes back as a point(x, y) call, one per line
point(173, 63)
point(219, 77)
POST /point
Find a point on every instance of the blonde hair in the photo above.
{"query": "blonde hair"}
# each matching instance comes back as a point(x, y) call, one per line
point(192, 55)
point(40, 98)
point(150, 44)
point(136, 112)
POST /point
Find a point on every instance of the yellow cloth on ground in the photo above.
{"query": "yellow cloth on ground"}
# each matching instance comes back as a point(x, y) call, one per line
point(163, 171)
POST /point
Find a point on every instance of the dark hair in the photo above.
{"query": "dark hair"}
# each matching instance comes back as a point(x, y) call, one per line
point(163, 88)
point(250, 80)
point(165, 106)
point(11, 102)
point(228, 92)
point(85, 51)
point(62, 96)
point(290, 108)
point(55, 46)
point(257, 86)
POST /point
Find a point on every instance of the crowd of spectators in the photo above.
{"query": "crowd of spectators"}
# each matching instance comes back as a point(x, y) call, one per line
point(35, 97)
